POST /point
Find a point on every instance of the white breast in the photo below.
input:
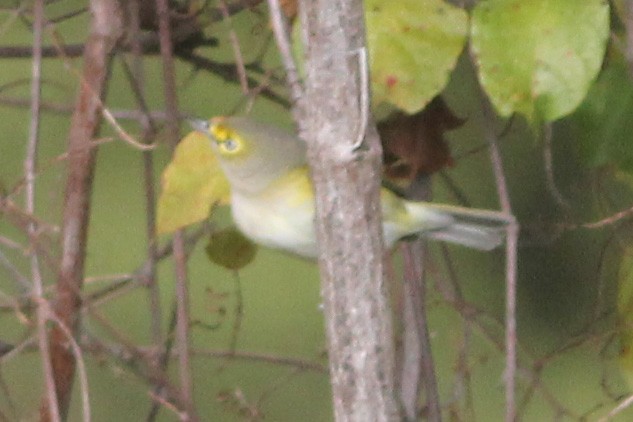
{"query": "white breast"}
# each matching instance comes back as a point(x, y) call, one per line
point(277, 223)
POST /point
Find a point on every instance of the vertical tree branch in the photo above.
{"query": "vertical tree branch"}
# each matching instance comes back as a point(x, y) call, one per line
point(106, 30)
point(417, 367)
point(137, 81)
point(169, 72)
point(180, 256)
point(346, 173)
point(511, 264)
point(30, 169)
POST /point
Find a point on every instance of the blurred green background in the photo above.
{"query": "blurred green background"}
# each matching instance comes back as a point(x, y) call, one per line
point(567, 278)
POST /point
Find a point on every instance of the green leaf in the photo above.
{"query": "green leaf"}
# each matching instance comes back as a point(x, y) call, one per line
point(602, 125)
point(230, 249)
point(191, 184)
point(413, 47)
point(538, 57)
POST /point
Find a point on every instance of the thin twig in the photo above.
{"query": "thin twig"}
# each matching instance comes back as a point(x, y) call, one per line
point(23, 283)
point(142, 272)
point(417, 368)
point(182, 323)
point(169, 72)
point(415, 304)
point(136, 76)
point(81, 366)
point(62, 108)
point(464, 384)
point(239, 311)
point(6, 393)
point(625, 404)
point(13, 16)
point(235, 45)
point(180, 258)
point(135, 361)
point(163, 362)
point(302, 364)
point(226, 71)
point(511, 264)
point(549, 168)
point(280, 29)
point(612, 219)
point(126, 137)
point(30, 165)
point(18, 349)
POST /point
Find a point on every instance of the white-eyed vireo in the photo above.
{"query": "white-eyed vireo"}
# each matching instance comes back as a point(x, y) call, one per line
point(272, 196)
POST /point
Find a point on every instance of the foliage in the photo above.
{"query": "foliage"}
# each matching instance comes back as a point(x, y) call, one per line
point(230, 249)
point(538, 58)
point(257, 331)
point(413, 46)
point(602, 123)
point(192, 183)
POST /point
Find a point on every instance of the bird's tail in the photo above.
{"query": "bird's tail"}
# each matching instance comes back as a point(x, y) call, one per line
point(474, 228)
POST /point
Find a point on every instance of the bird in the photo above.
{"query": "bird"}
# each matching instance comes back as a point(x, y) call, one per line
point(273, 200)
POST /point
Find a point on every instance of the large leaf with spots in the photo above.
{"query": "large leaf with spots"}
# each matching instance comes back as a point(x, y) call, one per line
point(413, 47)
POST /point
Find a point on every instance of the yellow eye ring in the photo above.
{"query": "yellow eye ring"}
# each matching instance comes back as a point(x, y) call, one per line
point(228, 142)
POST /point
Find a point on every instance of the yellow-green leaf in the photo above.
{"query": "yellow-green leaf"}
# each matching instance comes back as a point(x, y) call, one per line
point(413, 47)
point(538, 57)
point(191, 184)
point(230, 249)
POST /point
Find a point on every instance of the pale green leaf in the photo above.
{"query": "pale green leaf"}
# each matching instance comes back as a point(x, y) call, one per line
point(413, 47)
point(539, 57)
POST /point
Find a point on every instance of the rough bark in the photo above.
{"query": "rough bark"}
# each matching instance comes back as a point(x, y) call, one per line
point(106, 30)
point(344, 152)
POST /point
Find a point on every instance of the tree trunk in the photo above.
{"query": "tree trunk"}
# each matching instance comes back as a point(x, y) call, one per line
point(344, 152)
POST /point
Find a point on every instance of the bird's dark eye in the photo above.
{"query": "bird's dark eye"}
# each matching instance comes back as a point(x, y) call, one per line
point(230, 144)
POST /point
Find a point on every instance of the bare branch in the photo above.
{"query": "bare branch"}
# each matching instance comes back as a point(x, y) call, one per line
point(136, 76)
point(511, 264)
point(106, 30)
point(281, 31)
point(81, 366)
point(295, 363)
point(549, 168)
point(180, 259)
point(418, 366)
point(30, 169)
point(235, 45)
point(607, 221)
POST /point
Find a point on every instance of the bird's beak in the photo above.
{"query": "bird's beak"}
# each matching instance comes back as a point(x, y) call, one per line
point(200, 125)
